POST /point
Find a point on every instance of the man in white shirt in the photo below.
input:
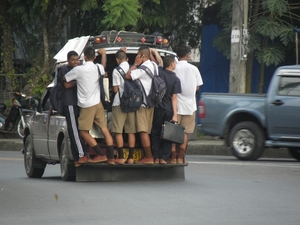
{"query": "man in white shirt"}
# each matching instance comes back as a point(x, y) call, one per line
point(122, 120)
point(144, 116)
point(92, 111)
point(191, 80)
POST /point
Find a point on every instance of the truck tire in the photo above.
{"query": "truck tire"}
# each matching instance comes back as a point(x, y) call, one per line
point(67, 168)
point(295, 152)
point(247, 141)
point(34, 167)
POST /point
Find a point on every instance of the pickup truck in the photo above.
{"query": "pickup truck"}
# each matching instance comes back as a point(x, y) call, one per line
point(250, 122)
point(46, 139)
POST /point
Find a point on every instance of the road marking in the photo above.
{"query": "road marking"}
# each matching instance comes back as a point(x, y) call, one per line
point(268, 164)
point(12, 159)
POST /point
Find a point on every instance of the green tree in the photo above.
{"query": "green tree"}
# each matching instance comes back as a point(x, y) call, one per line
point(7, 46)
point(271, 31)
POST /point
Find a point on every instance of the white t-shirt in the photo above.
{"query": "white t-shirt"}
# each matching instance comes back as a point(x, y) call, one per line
point(190, 79)
point(143, 77)
point(87, 77)
point(119, 81)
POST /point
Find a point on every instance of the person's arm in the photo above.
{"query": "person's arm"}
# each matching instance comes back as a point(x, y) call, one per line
point(174, 107)
point(115, 89)
point(138, 61)
point(102, 52)
point(70, 84)
point(128, 74)
point(155, 57)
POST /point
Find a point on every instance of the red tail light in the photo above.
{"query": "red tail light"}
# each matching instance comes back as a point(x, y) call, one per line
point(201, 109)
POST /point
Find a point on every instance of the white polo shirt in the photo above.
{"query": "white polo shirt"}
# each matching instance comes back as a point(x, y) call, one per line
point(190, 79)
point(88, 88)
point(144, 78)
point(119, 81)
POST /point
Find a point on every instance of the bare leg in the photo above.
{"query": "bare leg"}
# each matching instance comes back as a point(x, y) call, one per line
point(107, 136)
point(119, 140)
point(88, 138)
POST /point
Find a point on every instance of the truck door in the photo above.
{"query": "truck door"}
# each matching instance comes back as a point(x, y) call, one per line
point(283, 109)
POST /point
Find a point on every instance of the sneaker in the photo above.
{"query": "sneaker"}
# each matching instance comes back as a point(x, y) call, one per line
point(161, 161)
point(97, 159)
point(82, 160)
point(129, 161)
point(145, 160)
point(111, 161)
point(120, 161)
point(156, 161)
point(77, 164)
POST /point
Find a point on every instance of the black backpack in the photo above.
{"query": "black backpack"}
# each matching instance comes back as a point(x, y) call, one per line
point(55, 97)
point(158, 88)
point(132, 97)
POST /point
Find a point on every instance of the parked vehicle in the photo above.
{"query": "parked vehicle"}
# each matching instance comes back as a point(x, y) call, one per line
point(250, 122)
point(22, 108)
point(46, 138)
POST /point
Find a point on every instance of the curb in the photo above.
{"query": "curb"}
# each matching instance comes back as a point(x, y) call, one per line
point(201, 147)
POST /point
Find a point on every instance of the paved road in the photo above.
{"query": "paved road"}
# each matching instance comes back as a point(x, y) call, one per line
point(217, 190)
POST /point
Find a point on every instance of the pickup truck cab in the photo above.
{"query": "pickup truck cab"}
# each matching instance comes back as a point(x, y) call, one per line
point(46, 139)
point(250, 122)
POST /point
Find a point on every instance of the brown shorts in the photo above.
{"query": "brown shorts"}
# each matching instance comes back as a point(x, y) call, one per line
point(88, 116)
point(122, 120)
point(188, 121)
point(144, 119)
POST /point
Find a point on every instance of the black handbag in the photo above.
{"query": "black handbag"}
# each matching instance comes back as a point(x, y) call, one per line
point(173, 132)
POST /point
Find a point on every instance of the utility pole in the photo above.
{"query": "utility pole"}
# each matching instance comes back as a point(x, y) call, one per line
point(239, 50)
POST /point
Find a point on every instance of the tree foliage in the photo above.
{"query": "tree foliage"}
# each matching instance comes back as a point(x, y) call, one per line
point(270, 35)
point(121, 13)
point(45, 25)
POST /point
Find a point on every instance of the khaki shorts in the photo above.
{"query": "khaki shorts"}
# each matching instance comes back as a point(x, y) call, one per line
point(88, 116)
point(122, 120)
point(188, 121)
point(144, 119)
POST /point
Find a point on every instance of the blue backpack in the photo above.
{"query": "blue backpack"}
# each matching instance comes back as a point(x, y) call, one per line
point(132, 97)
point(158, 88)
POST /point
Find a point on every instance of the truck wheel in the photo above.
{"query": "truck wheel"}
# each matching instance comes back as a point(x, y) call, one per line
point(247, 141)
point(67, 168)
point(34, 167)
point(295, 152)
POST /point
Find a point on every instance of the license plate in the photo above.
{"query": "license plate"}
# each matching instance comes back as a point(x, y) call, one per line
point(137, 154)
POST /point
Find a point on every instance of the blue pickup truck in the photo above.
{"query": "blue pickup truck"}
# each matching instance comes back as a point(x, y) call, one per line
point(250, 122)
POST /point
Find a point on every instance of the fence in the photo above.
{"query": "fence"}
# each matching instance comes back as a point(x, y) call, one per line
point(4, 93)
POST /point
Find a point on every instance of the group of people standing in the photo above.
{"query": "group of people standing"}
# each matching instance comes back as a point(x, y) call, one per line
point(82, 105)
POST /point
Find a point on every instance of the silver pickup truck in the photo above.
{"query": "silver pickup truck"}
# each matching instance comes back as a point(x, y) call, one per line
point(250, 122)
point(46, 138)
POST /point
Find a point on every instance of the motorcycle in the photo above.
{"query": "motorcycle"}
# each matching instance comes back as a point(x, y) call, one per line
point(21, 110)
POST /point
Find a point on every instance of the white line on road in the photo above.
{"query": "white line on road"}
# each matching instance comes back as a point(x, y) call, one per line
point(268, 164)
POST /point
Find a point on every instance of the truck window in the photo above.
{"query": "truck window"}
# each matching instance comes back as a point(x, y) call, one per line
point(289, 85)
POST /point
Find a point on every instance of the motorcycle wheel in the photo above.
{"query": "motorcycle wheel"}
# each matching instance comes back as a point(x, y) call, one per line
point(20, 128)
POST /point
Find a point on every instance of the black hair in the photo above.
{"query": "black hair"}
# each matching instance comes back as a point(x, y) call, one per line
point(144, 50)
point(168, 60)
point(183, 50)
point(89, 53)
point(121, 55)
point(71, 53)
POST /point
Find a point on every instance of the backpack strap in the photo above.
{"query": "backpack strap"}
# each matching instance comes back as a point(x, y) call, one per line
point(121, 72)
point(102, 93)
